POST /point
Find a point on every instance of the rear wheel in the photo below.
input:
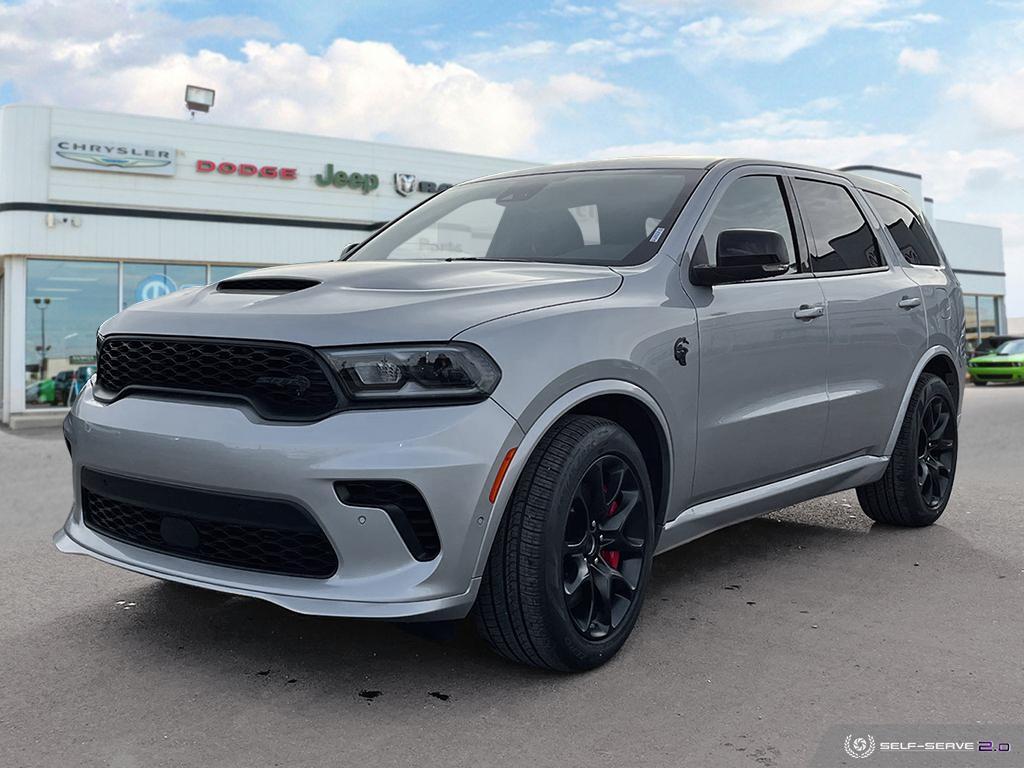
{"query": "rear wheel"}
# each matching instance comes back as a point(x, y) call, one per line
point(568, 569)
point(917, 483)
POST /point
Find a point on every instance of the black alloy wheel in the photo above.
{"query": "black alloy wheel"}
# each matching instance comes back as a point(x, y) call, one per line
point(918, 480)
point(604, 547)
point(567, 573)
point(936, 445)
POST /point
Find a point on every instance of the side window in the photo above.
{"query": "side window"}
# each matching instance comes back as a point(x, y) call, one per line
point(842, 237)
point(907, 230)
point(752, 202)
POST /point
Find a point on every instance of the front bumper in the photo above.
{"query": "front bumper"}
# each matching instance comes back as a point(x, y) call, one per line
point(450, 454)
point(996, 373)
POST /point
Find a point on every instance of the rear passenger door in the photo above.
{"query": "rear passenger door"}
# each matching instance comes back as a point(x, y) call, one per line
point(923, 264)
point(762, 349)
point(876, 317)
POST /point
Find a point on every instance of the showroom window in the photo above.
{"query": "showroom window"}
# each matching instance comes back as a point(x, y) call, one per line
point(981, 315)
point(65, 302)
point(143, 281)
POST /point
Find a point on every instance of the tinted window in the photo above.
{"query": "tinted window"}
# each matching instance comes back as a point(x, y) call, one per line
point(586, 217)
point(842, 237)
point(753, 202)
point(906, 229)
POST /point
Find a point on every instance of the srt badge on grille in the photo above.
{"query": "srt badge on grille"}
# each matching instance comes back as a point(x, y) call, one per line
point(296, 384)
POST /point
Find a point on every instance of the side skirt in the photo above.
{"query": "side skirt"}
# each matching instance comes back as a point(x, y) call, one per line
point(701, 519)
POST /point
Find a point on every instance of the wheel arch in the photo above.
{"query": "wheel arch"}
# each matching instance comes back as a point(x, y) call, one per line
point(623, 402)
point(942, 365)
point(938, 361)
point(643, 426)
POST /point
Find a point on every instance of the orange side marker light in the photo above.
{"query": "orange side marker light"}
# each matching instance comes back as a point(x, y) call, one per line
point(501, 474)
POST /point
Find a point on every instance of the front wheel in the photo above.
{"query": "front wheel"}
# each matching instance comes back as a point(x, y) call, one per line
point(917, 483)
point(568, 569)
point(977, 383)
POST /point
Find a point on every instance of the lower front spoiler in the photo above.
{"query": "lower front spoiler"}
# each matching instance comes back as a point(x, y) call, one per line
point(440, 609)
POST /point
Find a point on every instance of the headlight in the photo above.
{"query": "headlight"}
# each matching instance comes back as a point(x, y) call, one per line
point(429, 373)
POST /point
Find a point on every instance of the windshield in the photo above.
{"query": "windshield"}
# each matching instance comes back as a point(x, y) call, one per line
point(615, 218)
point(1015, 347)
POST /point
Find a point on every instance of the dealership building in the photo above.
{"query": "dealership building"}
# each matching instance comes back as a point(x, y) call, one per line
point(99, 211)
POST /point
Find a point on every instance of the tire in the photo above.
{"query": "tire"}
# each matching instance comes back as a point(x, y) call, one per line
point(977, 383)
point(549, 554)
point(917, 484)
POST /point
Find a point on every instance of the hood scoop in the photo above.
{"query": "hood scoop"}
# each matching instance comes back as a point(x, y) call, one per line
point(265, 285)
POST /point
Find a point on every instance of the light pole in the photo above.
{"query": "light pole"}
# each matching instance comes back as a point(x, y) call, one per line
point(42, 304)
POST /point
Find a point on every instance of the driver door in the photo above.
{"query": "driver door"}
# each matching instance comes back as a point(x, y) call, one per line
point(763, 403)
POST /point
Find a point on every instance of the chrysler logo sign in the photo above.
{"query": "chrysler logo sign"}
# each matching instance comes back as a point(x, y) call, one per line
point(120, 157)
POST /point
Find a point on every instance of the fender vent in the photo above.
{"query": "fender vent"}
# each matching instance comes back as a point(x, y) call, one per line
point(265, 285)
point(403, 504)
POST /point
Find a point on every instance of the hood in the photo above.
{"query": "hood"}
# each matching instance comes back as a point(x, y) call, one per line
point(367, 302)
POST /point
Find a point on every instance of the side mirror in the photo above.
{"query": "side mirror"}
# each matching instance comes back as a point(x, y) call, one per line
point(744, 254)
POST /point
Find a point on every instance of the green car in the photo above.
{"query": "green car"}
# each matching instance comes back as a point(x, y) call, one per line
point(1005, 364)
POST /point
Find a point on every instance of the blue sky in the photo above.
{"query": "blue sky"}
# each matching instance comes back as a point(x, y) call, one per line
point(934, 87)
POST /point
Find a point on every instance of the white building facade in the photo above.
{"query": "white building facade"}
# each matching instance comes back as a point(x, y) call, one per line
point(99, 210)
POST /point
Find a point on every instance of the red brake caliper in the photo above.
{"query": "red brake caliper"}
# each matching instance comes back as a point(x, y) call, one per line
point(612, 557)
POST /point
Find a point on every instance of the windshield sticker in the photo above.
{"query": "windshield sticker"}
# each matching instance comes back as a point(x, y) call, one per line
point(656, 234)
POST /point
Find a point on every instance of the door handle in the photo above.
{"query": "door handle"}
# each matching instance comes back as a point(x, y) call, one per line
point(909, 302)
point(809, 311)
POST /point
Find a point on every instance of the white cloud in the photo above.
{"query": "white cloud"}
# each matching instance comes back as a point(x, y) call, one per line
point(623, 50)
point(591, 45)
point(924, 61)
point(532, 49)
point(768, 30)
point(583, 89)
point(572, 10)
point(74, 55)
point(361, 90)
point(772, 30)
point(995, 98)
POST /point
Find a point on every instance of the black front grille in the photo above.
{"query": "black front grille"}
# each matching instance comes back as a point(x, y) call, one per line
point(257, 534)
point(998, 364)
point(280, 381)
point(993, 376)
point(403, 504)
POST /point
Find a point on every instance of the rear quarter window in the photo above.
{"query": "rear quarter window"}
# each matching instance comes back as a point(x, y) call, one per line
point(906, 229)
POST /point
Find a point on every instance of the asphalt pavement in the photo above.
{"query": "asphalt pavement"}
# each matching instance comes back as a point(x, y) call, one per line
point(753, 643)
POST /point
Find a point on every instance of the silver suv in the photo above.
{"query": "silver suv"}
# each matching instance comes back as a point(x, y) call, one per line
point(507, 401)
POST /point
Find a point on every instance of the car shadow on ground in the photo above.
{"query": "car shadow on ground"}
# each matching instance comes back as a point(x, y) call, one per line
point(240, 642)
